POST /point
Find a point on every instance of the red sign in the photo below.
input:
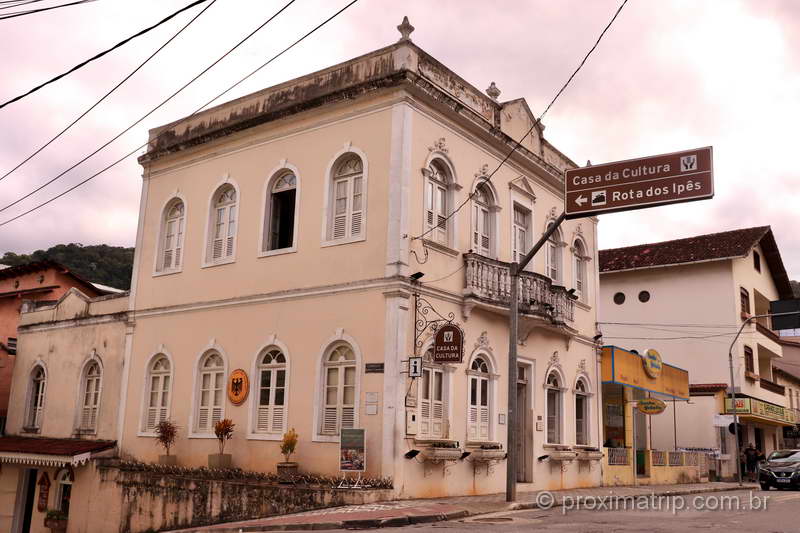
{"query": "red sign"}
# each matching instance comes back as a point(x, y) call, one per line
point(637, 183)
point(44, 492)
point(448, 344)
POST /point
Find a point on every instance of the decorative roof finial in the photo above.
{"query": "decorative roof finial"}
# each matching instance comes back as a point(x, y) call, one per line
point(405, 29)
point(493, 91)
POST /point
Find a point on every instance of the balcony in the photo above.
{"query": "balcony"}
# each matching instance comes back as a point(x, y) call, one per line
point(489, 281)
point(772, 387)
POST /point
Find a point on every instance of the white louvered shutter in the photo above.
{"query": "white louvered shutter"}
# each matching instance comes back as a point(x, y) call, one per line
point(425, 404)
point(178, 244)
point(340, 209)
point(270, 417)
point(219, 229)
point(231, 233)
point(339, 402)
point(357, 208)
point(441, 214)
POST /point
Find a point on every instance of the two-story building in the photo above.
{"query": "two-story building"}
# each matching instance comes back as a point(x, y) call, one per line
point(687, 298)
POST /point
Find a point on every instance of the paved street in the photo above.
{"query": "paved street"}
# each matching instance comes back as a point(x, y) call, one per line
point(781, 516)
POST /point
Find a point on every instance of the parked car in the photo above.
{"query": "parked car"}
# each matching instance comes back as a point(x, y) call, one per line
point(781, 470)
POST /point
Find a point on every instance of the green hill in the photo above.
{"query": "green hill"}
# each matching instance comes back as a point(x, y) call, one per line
point(100, 263)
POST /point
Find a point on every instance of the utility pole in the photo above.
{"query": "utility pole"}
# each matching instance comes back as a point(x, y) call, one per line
point(513, 326)
point(733, 393)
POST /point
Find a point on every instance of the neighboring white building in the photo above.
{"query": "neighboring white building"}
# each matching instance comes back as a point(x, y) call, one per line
point(687, 298)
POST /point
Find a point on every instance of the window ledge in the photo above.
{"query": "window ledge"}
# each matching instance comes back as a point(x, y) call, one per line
point(582, 305)
point(279, 251)
point(202, 436)
point(218, 263)
point(146, 434)
point(563, 447)
point(337, 242)
point(325, 438)
point(158, 274)
point(430, 441)
point(586, 447)
point(31, 430)
point(79, 432)
point(264, 436)
point(439, 247)
point(479, 443)
point(751, 375)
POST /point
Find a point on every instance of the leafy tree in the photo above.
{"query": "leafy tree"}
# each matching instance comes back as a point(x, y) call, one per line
point(99, 263)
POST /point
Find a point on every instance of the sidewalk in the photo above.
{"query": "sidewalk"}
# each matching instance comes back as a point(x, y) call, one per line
point(405, 512)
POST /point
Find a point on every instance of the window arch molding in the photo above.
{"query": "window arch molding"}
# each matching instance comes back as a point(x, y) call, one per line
point(211, 348)
point(158, 259)
point(554, 404)
point(431, 187)
point(327, 215)
point(582, 393)
point(486, 204)
point(162, 351)
point(281, 169)
point(340, 338)
point(491, 376)
point(272, 342)
point(206, 259)
point(35, 399)
point(82, 401)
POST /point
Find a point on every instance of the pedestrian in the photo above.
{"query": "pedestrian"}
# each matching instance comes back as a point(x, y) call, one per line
point(751, 455)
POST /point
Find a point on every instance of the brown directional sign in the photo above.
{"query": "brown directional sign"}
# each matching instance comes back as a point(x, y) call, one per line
point(636, 183)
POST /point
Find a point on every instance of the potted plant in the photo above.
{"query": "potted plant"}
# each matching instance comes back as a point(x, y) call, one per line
point(56, 521)
point(489, 452)
point(442, 451)
point(288, 469)
point(166, 431)
point(224, 431)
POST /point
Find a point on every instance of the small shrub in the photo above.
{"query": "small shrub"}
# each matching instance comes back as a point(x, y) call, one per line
point(55, 514)
point(288, 444)
point(166, 431)
point(224, 432)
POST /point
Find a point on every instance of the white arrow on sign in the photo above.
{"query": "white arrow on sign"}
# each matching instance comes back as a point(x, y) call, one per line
point(580, 200)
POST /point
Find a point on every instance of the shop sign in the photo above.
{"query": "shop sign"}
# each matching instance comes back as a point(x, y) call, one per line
point(652, 363)
point(352, 450)
point(752, 406)
point(238, 386)
point(651, 406)
point(448, 344)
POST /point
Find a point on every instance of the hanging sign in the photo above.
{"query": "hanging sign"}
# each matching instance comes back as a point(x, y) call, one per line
point(448, 344)
point(44, 492)
point(650, 406)
point(238, 386)
point(352, 450)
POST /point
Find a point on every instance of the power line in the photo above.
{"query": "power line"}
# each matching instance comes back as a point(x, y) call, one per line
point(170, 97)
point(32, 11)
point(273, 58)
point(17, 3)
point(535, 124)
point(98, 56)
point(117, 86)
point(734, 326)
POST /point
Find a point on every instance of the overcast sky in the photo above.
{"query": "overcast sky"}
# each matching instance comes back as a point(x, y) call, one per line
point(670, 75)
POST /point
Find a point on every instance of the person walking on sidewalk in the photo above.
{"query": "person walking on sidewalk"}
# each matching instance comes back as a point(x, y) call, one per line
point(751, 456)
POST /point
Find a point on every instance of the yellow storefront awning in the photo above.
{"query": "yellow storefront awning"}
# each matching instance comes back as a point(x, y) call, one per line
point(754, 410)
point(642, 372)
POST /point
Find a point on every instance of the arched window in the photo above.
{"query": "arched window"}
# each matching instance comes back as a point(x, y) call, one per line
point(554, 270)
point(579, 255)
point(172, 227)
point(339, 393)
point(521, 233)
point(222, 234)
point(478, 416)
point(92, 381)
point(64, 481)
point(347, 198)
point(581, 413)
point(159, 379)
point(210, 404)
point(271, 410)
point(279, 213)
point(483, 220)
point(438, 201)
point(432, 399)
point(38, 384)
point(554, 408)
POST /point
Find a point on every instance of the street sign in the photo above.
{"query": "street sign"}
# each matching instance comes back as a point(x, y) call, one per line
point(448, 344)
point(788, 321)
point(637, 183)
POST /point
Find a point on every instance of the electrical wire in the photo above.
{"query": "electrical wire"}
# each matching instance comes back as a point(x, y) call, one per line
point(273, 58)
point(17, 3)
point(170, 97)
point(734, 326)
point(99, 55)
point(443, 277)
point(117, 86)
point(535, 124)
point(32, 11)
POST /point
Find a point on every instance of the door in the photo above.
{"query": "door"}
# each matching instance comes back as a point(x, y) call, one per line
point(759, 436)
point(524, 437)
point(26, 494)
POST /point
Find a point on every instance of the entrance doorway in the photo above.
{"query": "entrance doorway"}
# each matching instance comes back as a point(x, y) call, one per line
point(759, 437)
point(524, 438)
point(26, 494)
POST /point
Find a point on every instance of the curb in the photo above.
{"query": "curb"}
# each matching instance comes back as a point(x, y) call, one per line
point(559, 503)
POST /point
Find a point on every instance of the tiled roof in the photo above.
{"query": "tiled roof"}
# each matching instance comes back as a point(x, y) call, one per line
point(47, 264)
point(46, 446)
point(711, 247)
point(707, 387)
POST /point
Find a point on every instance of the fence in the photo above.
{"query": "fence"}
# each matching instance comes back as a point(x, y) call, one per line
point(618, 456)
point(659, 458)
point(675, 458)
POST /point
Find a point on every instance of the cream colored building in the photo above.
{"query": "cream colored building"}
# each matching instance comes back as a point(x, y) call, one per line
point(283, 234)
point(277, 235)
point(64, 398)
point(686, 299)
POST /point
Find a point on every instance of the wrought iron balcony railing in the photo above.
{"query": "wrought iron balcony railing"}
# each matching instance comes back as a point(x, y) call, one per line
point(490, 280)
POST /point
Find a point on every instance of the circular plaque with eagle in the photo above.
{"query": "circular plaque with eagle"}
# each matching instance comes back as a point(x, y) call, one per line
point(238, 386)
